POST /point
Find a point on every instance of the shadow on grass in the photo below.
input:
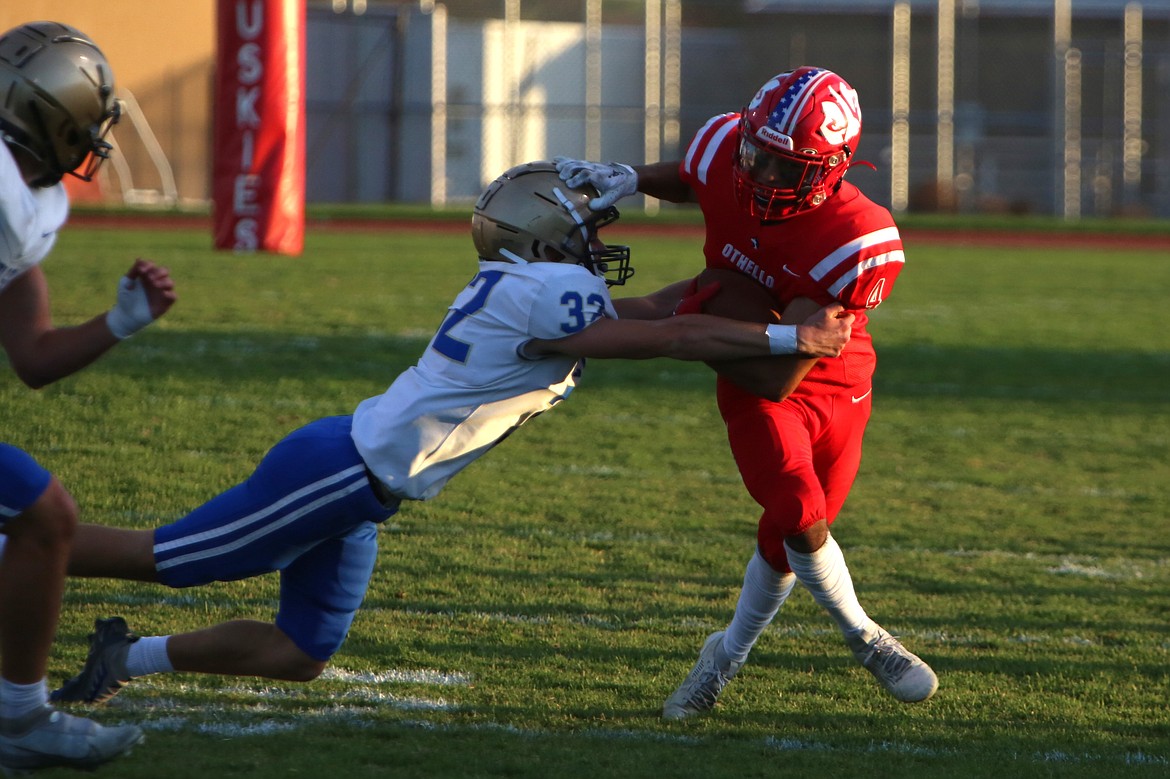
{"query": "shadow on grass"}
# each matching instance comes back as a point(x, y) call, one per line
point(1042, 375)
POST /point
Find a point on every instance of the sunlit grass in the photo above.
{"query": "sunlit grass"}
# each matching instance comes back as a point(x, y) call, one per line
point(1011, 521)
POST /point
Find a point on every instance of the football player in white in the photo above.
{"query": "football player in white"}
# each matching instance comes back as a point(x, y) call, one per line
point(509, 349)
point(57, 106)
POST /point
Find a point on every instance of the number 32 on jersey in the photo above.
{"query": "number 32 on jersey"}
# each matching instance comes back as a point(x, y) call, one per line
point(579, 312)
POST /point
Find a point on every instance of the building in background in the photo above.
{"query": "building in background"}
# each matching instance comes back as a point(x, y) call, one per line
point(1022, 106)
point(162, 54)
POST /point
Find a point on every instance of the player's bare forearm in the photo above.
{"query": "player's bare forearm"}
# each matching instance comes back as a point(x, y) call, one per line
point(823, 333)
point(656, 305)
point(662, 180)
point(61, 352)
point(40, 353)
point(713, 339)
point(692, 337)
point(697, 337)
point(771, 378)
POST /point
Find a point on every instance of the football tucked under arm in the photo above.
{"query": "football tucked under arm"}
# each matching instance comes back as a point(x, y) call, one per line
point(739, 297)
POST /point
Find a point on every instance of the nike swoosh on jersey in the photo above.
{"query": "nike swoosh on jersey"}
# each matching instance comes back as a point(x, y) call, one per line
point(789, 271)
point(857, 399)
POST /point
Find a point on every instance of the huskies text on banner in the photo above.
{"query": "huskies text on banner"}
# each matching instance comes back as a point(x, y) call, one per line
point(259, 169)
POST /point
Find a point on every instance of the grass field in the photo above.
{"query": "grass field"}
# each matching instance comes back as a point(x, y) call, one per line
point(1011, 522)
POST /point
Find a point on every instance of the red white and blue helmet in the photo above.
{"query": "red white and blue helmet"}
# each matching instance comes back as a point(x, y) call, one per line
point(796, 138)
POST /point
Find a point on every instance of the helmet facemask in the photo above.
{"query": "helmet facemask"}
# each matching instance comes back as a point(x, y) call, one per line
point(99, 147)
point(611, 263)
point(774, 184)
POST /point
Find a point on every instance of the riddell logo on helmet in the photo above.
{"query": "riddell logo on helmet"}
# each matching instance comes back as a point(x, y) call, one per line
point(774, 137)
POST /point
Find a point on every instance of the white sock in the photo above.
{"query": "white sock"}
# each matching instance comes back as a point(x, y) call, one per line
point(764, 592)
point(17, 700)
point(148, 655)
point(826, 577)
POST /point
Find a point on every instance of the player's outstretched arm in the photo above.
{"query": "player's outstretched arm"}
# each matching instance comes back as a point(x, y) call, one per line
point(699, 337)
point(656, 305)
point(41, 353)
point(615, 180)
point(663, 181)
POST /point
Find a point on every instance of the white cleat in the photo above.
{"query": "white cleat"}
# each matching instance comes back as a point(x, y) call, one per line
point(900, 671)
point(50, 738)
point(701, 688)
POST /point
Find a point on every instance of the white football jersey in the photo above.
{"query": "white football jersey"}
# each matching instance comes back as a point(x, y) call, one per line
point(29, 219)
point(474, 384)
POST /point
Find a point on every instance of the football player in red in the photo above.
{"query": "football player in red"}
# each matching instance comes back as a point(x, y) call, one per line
point(770, 183)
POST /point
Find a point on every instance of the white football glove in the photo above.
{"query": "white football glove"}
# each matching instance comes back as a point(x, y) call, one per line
point(613, 180)
point(131, 313)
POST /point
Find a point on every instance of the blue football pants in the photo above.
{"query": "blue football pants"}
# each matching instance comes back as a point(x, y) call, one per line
point(307, 511)
point(22, 481)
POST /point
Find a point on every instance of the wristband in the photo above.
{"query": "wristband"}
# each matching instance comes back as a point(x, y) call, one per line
point(782, 339)
point(131, 312)
point(120, 325)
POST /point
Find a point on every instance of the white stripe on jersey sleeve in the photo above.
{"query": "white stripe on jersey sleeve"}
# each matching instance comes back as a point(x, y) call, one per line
point(696, 142)
point(822, 268)
point(710, 147)
point(873, 262)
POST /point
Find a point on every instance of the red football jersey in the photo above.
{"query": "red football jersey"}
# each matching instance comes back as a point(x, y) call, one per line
point(846, 249)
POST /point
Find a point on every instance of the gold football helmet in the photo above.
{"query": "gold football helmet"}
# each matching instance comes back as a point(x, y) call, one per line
point(56, 101)
point(529, 215)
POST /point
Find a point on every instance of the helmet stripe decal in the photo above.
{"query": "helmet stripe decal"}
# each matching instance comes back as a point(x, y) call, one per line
point(792, 105)
point(568, 205)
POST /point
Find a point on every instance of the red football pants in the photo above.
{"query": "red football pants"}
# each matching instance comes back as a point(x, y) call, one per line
point(798, 458)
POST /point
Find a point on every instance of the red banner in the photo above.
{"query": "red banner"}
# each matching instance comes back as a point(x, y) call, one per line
point(259, 170)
